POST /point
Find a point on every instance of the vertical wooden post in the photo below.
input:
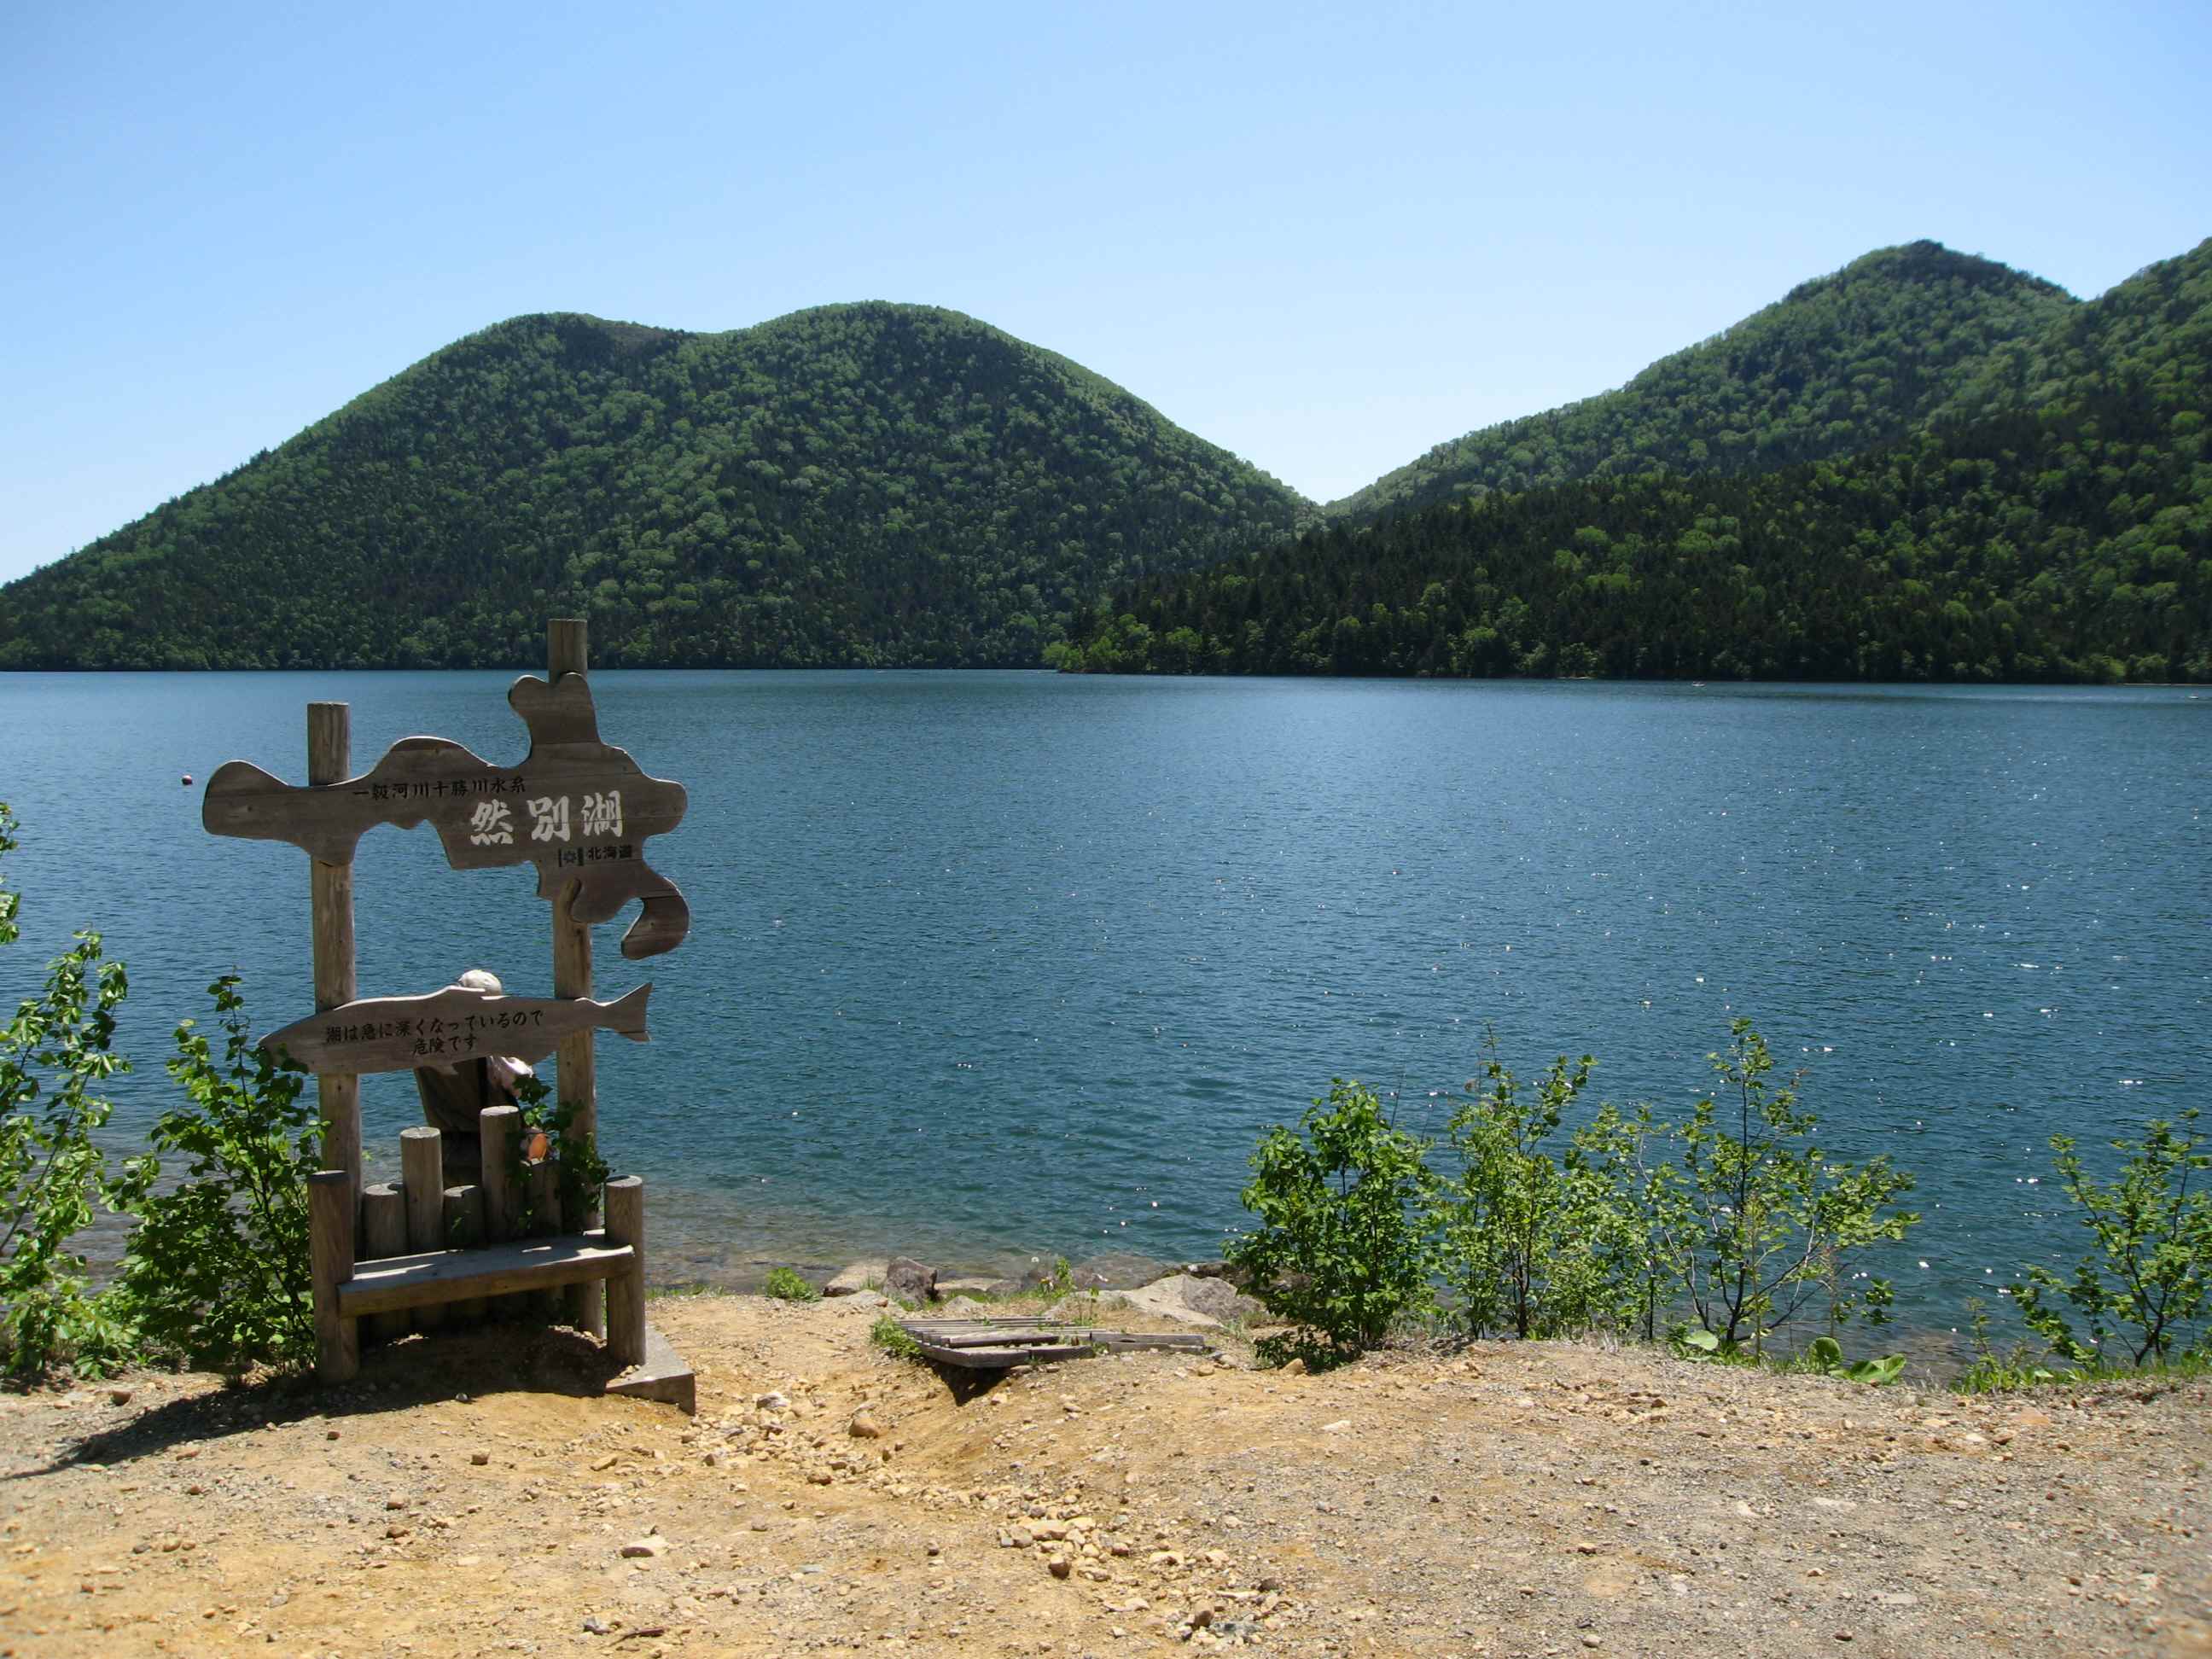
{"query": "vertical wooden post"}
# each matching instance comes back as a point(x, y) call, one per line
point(496, 1128)
point(423, 1175)
point(502, 1201)
point(384, 1233)
point(626, 1292)
point(330, 1244)
point(568, 651)
point(330, 746)
point(544, 1184)
point(463, 1230)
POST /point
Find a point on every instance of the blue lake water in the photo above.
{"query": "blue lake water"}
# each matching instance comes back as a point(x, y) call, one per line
point(989, 966)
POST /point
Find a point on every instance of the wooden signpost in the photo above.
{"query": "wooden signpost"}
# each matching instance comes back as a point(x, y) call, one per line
point(580, 809)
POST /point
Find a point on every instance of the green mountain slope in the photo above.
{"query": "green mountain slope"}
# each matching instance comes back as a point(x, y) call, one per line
point(2055, 525)
point(867, 484)
point(1840, 365)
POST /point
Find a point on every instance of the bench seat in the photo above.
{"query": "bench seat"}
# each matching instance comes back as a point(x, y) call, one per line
point(432, 1277)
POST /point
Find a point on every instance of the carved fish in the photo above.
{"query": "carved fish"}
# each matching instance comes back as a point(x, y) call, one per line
point(396, 1034)
point(578, 808)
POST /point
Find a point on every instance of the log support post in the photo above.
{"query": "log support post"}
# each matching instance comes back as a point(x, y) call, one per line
point(626, 1290)
point(497, 1129)
point(330, 1239)
point(422, 1177)
point(384, 1233)
point(568, 651)
point(463, 1230)
point(330, 746)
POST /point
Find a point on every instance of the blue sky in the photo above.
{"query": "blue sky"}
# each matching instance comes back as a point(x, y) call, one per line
point(1324, 238)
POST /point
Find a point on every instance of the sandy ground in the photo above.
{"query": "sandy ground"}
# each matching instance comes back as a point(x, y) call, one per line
point(475, 1495)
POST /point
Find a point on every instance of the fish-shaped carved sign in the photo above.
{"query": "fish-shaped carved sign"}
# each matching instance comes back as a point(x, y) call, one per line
point(397, 1034)
point(578, 808)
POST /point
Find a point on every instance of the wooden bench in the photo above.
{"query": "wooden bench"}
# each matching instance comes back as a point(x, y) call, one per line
point(387, 1287)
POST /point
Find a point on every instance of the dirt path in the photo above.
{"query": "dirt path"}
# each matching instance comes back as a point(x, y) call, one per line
point(1546, 1499)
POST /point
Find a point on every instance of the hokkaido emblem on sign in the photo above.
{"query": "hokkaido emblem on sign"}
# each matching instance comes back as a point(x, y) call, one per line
point(577, 808)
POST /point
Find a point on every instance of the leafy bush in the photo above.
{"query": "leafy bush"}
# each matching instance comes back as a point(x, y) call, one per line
point(53, 1053)
point(1762, 1221)
point(785, 1285)
point(1342, 1250)
point(1991, 1372)
point(2148, 1281)
point(217, 1270)
point(889, 1335)
point(580, 1174)
point(1524, 1236)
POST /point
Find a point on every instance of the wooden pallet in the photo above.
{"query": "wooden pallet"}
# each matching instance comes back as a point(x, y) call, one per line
point(1000, 1344)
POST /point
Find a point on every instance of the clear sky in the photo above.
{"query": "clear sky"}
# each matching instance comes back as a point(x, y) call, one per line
point(1325, 238)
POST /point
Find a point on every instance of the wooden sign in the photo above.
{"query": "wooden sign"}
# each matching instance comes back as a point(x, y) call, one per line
point(577, 808)
point(397, 1034)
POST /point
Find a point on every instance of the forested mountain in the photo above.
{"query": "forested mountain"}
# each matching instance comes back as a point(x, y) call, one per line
point(1840, 365)
point(863, 484)
point(2055, 524)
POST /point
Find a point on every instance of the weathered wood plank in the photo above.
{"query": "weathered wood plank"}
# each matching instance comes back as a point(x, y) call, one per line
point(990, 1339)
point(441, 1276)
point(1119, 1341)
point(999, 1359)
point(578, 808)
point(445, 1027)
point(1029, 1333)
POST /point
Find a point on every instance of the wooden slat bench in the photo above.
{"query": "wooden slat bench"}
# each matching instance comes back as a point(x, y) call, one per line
point(433, 1278)
point(347, 1290)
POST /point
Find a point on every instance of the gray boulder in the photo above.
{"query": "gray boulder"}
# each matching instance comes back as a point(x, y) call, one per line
point(970, 1285)
point(908, 1280)
point(1206, 1303)
point(1116, 1270)
point(855, 1279)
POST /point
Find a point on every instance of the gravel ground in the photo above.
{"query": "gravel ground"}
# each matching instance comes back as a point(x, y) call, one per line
point(476, 1495)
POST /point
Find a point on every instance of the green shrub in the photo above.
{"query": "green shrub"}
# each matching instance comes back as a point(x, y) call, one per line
point(1759, 1221)
point(1342, 1250)
point(580, 1174)
point(2147, 1283)
point(785, 1285)
point(1991, 1372)
point(54, 1053)
point(1526, 1238)
point(217, 1271)
point(889, 1335)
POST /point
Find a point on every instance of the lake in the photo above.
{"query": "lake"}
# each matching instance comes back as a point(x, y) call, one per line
point(986, 967)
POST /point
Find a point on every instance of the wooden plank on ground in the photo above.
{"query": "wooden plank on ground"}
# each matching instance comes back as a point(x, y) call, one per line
point(999, 1359)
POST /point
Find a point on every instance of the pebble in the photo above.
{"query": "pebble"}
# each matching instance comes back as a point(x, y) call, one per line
point(647, 1548)
point(864, 1427)
point(479, 1458)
